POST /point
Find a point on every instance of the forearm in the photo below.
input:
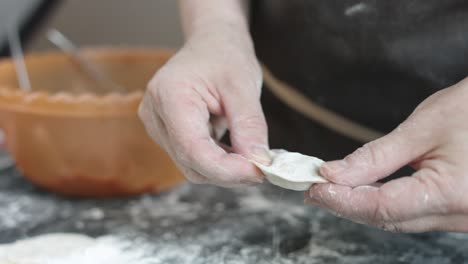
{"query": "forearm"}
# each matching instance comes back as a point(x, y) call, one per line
point(201, 15)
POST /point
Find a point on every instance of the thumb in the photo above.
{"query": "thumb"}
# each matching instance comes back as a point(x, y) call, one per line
point(379, 158)
point(248, 128)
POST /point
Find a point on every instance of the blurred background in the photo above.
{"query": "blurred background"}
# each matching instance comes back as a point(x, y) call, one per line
point(140, 23)
point(90, 22)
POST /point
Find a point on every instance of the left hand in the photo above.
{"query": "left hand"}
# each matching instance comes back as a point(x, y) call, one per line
point(434, 141)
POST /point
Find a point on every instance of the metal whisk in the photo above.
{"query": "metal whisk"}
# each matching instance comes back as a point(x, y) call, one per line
point(18, 58)
point(90, 68)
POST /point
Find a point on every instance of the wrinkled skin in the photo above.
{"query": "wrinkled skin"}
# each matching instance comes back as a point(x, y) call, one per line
point(434, 140)
point(212, 84)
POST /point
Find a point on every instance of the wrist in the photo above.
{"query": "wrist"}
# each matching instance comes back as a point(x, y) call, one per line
point(237, 22)
point(213, 15)
point(222, 35)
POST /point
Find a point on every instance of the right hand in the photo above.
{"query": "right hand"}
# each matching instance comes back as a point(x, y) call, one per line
point(212, 84)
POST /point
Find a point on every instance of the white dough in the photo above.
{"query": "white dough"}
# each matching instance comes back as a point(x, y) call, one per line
point(292, 170)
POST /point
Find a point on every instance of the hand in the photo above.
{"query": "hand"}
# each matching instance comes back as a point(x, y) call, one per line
point(213, 83)
point(433, 140)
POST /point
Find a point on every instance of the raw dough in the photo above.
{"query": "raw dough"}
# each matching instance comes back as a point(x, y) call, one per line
point(292, 170)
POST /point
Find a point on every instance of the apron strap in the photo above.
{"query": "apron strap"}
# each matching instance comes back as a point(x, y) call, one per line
point(302, 104)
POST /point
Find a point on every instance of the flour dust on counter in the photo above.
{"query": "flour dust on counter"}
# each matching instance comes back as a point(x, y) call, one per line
point(195, 224)
point(74, 249)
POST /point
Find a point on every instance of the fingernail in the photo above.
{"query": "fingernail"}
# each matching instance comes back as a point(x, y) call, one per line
point(334, 167)
point(260, 154)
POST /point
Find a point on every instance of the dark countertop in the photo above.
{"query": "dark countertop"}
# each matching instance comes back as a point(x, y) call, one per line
point(205, 224)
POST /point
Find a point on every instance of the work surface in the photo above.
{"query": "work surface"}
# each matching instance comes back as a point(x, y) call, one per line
point(205, 224)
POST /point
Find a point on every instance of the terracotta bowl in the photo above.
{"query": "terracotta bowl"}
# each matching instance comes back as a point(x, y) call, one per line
point(70, 140)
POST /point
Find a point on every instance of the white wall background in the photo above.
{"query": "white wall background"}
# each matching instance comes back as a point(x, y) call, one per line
point(115, 22)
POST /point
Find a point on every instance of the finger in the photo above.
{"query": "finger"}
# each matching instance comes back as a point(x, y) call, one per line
point(423, 224)
point(157, 131)
point(247, 124)
point(446, 223)
point(192, 176)
point(397, 201)
point(154, 125)
point(226, 148)
point(218, 127)
point(380, 158)
point(196, 178)
point(222, 167)
point(186, 118)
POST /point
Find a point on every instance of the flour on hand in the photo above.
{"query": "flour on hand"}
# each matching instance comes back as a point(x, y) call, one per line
point(292, 170)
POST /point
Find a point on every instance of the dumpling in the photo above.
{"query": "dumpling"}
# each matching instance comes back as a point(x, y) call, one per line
point(292, 170)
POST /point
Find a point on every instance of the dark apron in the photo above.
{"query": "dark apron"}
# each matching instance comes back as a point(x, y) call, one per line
point(371, 61)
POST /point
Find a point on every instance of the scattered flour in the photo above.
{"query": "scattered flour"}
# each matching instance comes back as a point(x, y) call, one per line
point(203, 225)
point(21, 209)
point(74, 248)
point(356, 9)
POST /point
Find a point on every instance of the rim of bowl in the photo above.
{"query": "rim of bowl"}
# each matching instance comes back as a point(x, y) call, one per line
point(87, 104)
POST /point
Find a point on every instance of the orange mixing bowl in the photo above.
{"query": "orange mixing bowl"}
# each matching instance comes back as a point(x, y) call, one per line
point(68, 139)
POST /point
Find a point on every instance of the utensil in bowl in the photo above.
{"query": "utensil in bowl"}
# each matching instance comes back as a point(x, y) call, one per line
point(71, 141)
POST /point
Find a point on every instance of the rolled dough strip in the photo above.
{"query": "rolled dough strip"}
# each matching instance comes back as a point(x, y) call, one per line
point(292, 170)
